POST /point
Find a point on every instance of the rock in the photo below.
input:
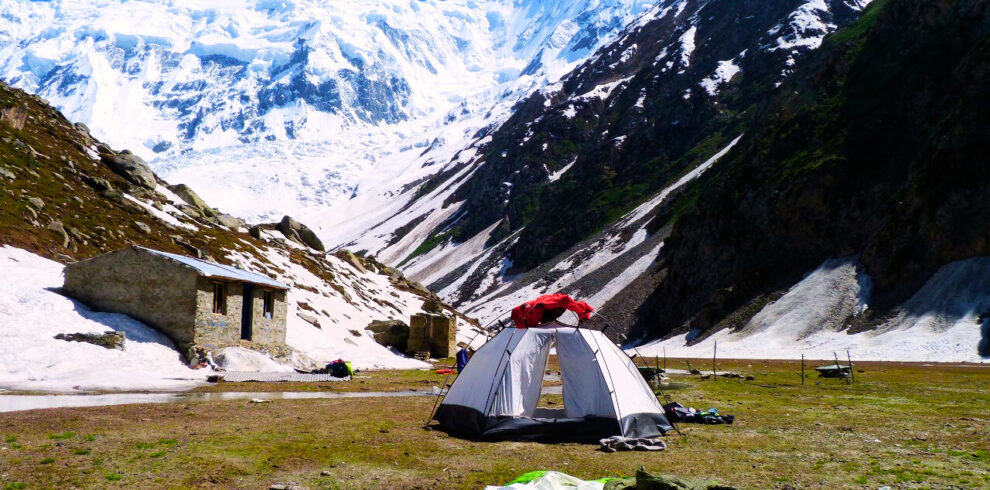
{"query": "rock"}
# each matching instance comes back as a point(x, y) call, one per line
point(98, 183)
point(255, 232)
point(130, 167)
point(191, 198)
point(193, 251)
point(59, 229)
point(143, 228)
point(191, 211)
point(286, 486)
point(230, 221)
point(350, 258)
point(7, 173)
point(310, 319)
point(300, 233)
point(433, 305)
point(390, 333)
point(36, 202)
point(108, 340)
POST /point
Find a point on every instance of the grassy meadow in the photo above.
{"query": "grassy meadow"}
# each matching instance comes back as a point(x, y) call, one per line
point(898, 425)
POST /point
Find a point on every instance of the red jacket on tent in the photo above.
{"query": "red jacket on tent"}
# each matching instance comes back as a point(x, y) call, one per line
point(530, 313)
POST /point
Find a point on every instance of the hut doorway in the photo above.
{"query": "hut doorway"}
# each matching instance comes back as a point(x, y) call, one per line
point(247, 312)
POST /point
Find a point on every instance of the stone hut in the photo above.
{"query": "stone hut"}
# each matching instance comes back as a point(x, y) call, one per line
point(192, 301)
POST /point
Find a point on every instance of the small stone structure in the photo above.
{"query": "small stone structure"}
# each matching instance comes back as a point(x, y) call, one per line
point(433, 333)
point(192, 301)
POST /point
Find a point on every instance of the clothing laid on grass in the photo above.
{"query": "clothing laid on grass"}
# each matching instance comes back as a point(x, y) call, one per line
point(679, 413)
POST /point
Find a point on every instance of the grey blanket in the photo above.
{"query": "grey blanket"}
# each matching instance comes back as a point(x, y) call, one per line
point(619, 443)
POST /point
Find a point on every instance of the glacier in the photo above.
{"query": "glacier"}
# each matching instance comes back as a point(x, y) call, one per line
point(321, 110)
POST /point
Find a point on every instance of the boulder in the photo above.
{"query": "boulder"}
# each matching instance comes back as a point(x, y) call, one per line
point(98, 183)
point(142, 227)
point(230, 221)
point(108, 340)
point(350, 258)
point(59, 229)
point(36, 202)
point(191, 198)
point(300, 233)
point(433, 305)
point(390, 333)
point(310, 319)
point(255, 232)
point(130, 167)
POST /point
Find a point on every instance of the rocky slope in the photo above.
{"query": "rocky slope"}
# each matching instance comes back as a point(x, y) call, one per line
point(866, 150)
point(874, 148)
point(66, 196)
point(563, 173)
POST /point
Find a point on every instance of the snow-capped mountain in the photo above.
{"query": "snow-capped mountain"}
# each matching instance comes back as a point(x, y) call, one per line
point(227, 96)
point(201, 76)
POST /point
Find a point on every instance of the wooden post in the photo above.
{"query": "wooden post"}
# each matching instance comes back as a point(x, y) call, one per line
point(802, 368)
point(714, 354)
point(840, 369)
point(851, 372)
point(665, 358)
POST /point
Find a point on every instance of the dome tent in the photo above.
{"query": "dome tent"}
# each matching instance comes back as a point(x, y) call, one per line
point(496, 396)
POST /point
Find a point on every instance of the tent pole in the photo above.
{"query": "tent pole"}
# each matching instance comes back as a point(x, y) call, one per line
point(436, 402)
point(662, 394)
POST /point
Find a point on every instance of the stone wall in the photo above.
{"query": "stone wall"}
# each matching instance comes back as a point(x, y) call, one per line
point(215, 331)
point(436, 334)
point(269, 331)
point(149, 288)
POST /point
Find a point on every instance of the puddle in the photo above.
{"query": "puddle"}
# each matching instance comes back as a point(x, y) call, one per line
point(14, 403)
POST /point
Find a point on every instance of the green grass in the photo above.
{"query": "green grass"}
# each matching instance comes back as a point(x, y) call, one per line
point(899, 425)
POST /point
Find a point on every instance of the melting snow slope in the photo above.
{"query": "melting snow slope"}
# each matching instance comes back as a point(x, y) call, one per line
point(939, 323)
point(31, 314)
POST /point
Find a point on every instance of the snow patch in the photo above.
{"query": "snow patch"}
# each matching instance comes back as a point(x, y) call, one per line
point(31, 314)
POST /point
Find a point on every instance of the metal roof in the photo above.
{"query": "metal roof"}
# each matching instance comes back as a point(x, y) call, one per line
point(212, 269)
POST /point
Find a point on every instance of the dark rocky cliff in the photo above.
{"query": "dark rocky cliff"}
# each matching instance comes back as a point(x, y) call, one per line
point(877, 146)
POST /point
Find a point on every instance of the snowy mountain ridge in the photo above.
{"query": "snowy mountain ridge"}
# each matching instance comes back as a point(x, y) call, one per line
point(201, 77)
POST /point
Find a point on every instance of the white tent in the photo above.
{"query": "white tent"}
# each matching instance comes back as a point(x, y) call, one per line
point(496, 395)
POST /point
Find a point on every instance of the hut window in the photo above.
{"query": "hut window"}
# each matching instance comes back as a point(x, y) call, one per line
point(219, 298)
point(269, 304)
